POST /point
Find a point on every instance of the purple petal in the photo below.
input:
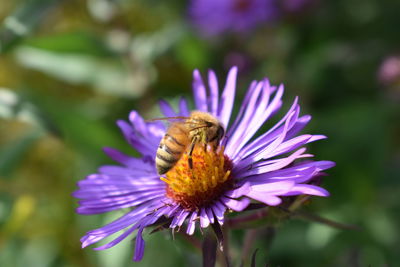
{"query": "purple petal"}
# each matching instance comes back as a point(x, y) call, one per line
point(152, 218)
point(298, 167)
point(213, 98)
point(182, 218)
point(298, 126)
point(94, 180)
point(142, 129)
point(244, 120)
point(183, 107)
point(276, 165)
point(263, 112)
point(204, 220)
point(236, 205)
point(146, 131)
point(219, 210)
point(179, 219)
point(270, 200)
point(296, 143)
point(126, 172)
point(238, 192)
point(243, 107)
point(290, 145)
point(264, 152)
point(111, 191)
point(210, 214)
point(88, 210)
point(157, 129)
point(139, 246)
point(121, 223)
point(119, 238)
point(166, 109)
point(298, 176)
point(323, 164)
point(191, 224)
point(87, 240)
point(176, 217)
point(129, 218)
point(307, 189)
point(299, 154)
point(174, 210)
point(112, 203)
point(137, 142)
point(277, 188)
point(289, 120)
point(128, 161)
point(228, 95)
point(259, 116)
point(199, 92)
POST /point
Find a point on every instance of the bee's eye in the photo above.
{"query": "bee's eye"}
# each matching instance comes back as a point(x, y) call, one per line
point(220, 132)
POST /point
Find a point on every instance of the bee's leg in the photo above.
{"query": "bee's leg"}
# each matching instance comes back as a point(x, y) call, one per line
point(215, 146)
point(191, 147)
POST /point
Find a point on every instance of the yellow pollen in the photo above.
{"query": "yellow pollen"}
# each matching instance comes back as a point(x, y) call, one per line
point(201, 185)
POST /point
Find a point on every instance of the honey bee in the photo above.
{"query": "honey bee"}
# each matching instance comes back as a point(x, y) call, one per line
point(182, 136)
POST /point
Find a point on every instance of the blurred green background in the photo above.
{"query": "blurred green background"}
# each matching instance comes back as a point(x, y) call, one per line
point(70, 69)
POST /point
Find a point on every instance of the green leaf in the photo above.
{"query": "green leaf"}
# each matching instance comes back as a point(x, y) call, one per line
point(12, 154)
point(24, 19)
point(74, 42)
point(106, 75)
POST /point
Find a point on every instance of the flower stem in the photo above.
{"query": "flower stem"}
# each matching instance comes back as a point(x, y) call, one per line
point(192, 240)
point(248, 242)
point(209, 249)
point(267, 234)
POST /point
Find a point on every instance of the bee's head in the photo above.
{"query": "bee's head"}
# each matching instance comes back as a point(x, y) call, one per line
point(215, 133)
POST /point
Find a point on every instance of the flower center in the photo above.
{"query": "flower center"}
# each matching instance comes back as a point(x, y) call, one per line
point(201, 185)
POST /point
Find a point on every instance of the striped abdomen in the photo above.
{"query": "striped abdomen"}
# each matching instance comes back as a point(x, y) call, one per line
point(171, 148)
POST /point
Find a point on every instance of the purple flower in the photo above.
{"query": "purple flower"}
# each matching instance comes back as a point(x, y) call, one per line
point(389, 71)
point(243, 169)
point(215, 17)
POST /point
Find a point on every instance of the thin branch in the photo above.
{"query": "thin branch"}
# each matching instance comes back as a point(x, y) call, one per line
point(319, 219)
point(298, 202)
point(238, 221)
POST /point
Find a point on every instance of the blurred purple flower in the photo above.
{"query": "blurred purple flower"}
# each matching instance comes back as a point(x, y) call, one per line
point(389, 71)
point(263, 169)
point(238, 59)
point(215, 17)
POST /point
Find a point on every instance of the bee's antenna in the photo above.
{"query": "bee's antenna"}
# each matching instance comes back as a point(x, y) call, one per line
point(168, 119)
